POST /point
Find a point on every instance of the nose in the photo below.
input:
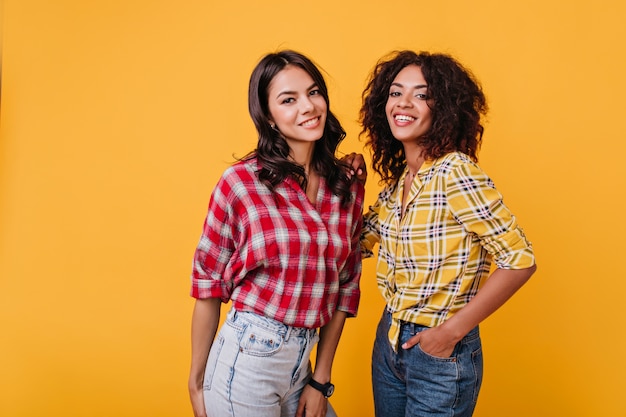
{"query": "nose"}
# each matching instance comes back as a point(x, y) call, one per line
point(405, 101)
point(306, 105)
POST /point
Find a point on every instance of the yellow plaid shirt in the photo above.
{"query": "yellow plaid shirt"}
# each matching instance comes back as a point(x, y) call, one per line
point(432, 260)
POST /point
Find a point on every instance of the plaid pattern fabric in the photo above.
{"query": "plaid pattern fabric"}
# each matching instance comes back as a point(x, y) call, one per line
point(274, 254)
point(432, 261)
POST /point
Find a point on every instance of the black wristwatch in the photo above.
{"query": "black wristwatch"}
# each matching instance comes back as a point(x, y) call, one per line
point(327, 389)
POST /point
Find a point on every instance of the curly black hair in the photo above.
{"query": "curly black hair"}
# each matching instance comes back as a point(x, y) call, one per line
point(456, 100)
point(272, 149)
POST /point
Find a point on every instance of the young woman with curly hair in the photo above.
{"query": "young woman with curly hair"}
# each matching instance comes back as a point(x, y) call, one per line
point(439, 223)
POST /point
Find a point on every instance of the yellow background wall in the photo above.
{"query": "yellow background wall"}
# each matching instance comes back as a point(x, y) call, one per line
point(118, 116)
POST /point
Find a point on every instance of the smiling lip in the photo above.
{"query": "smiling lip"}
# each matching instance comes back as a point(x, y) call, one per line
point(313, 122)
point(403, 119)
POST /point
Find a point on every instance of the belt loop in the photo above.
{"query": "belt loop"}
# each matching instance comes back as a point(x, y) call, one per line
point(232, 315)
point(287, 333)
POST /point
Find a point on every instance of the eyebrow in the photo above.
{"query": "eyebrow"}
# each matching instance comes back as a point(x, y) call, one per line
point(418, 86)
point(282, 93)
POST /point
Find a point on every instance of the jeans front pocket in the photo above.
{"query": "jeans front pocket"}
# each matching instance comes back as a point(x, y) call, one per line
point(258, 341)
point(433, 357)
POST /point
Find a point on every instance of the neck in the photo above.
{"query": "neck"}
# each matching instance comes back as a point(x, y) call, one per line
point(414, 158)
point(302, 154)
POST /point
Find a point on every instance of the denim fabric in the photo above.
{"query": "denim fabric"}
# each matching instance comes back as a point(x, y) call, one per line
point(414, 383)
point(257, 367)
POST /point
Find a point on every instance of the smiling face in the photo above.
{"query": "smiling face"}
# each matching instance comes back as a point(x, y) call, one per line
point(296, 106)
point(407, 109)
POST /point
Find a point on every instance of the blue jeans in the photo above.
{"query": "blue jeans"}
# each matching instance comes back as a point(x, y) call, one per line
point(257, 367)
point(414, 383)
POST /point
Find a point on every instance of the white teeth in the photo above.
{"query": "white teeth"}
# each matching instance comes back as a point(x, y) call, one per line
point(309, 122)
point(404, 118)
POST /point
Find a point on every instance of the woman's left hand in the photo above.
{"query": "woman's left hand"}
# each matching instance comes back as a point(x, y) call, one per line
point(358, 166)
point(434, 341)
point(312, 403)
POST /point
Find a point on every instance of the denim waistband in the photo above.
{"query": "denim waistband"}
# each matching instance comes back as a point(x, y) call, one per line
point(236, 317)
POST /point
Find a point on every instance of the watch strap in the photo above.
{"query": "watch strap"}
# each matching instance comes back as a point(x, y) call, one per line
point(327, 389)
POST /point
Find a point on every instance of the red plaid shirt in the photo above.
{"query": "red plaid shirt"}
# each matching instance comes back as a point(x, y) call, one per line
point(274, 254)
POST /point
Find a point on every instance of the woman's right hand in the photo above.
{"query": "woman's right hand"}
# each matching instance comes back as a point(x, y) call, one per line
point(197, 399)
point(204, 322)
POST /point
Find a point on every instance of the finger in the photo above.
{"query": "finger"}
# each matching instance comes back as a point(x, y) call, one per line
point(411, 342)
point(300, 410)
point(357, 164)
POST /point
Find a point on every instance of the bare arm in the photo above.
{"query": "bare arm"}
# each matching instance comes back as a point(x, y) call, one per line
point(501, 285)
point(204, 322)
point(312, 401)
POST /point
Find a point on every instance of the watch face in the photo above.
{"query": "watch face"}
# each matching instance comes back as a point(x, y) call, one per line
point(330, 390)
